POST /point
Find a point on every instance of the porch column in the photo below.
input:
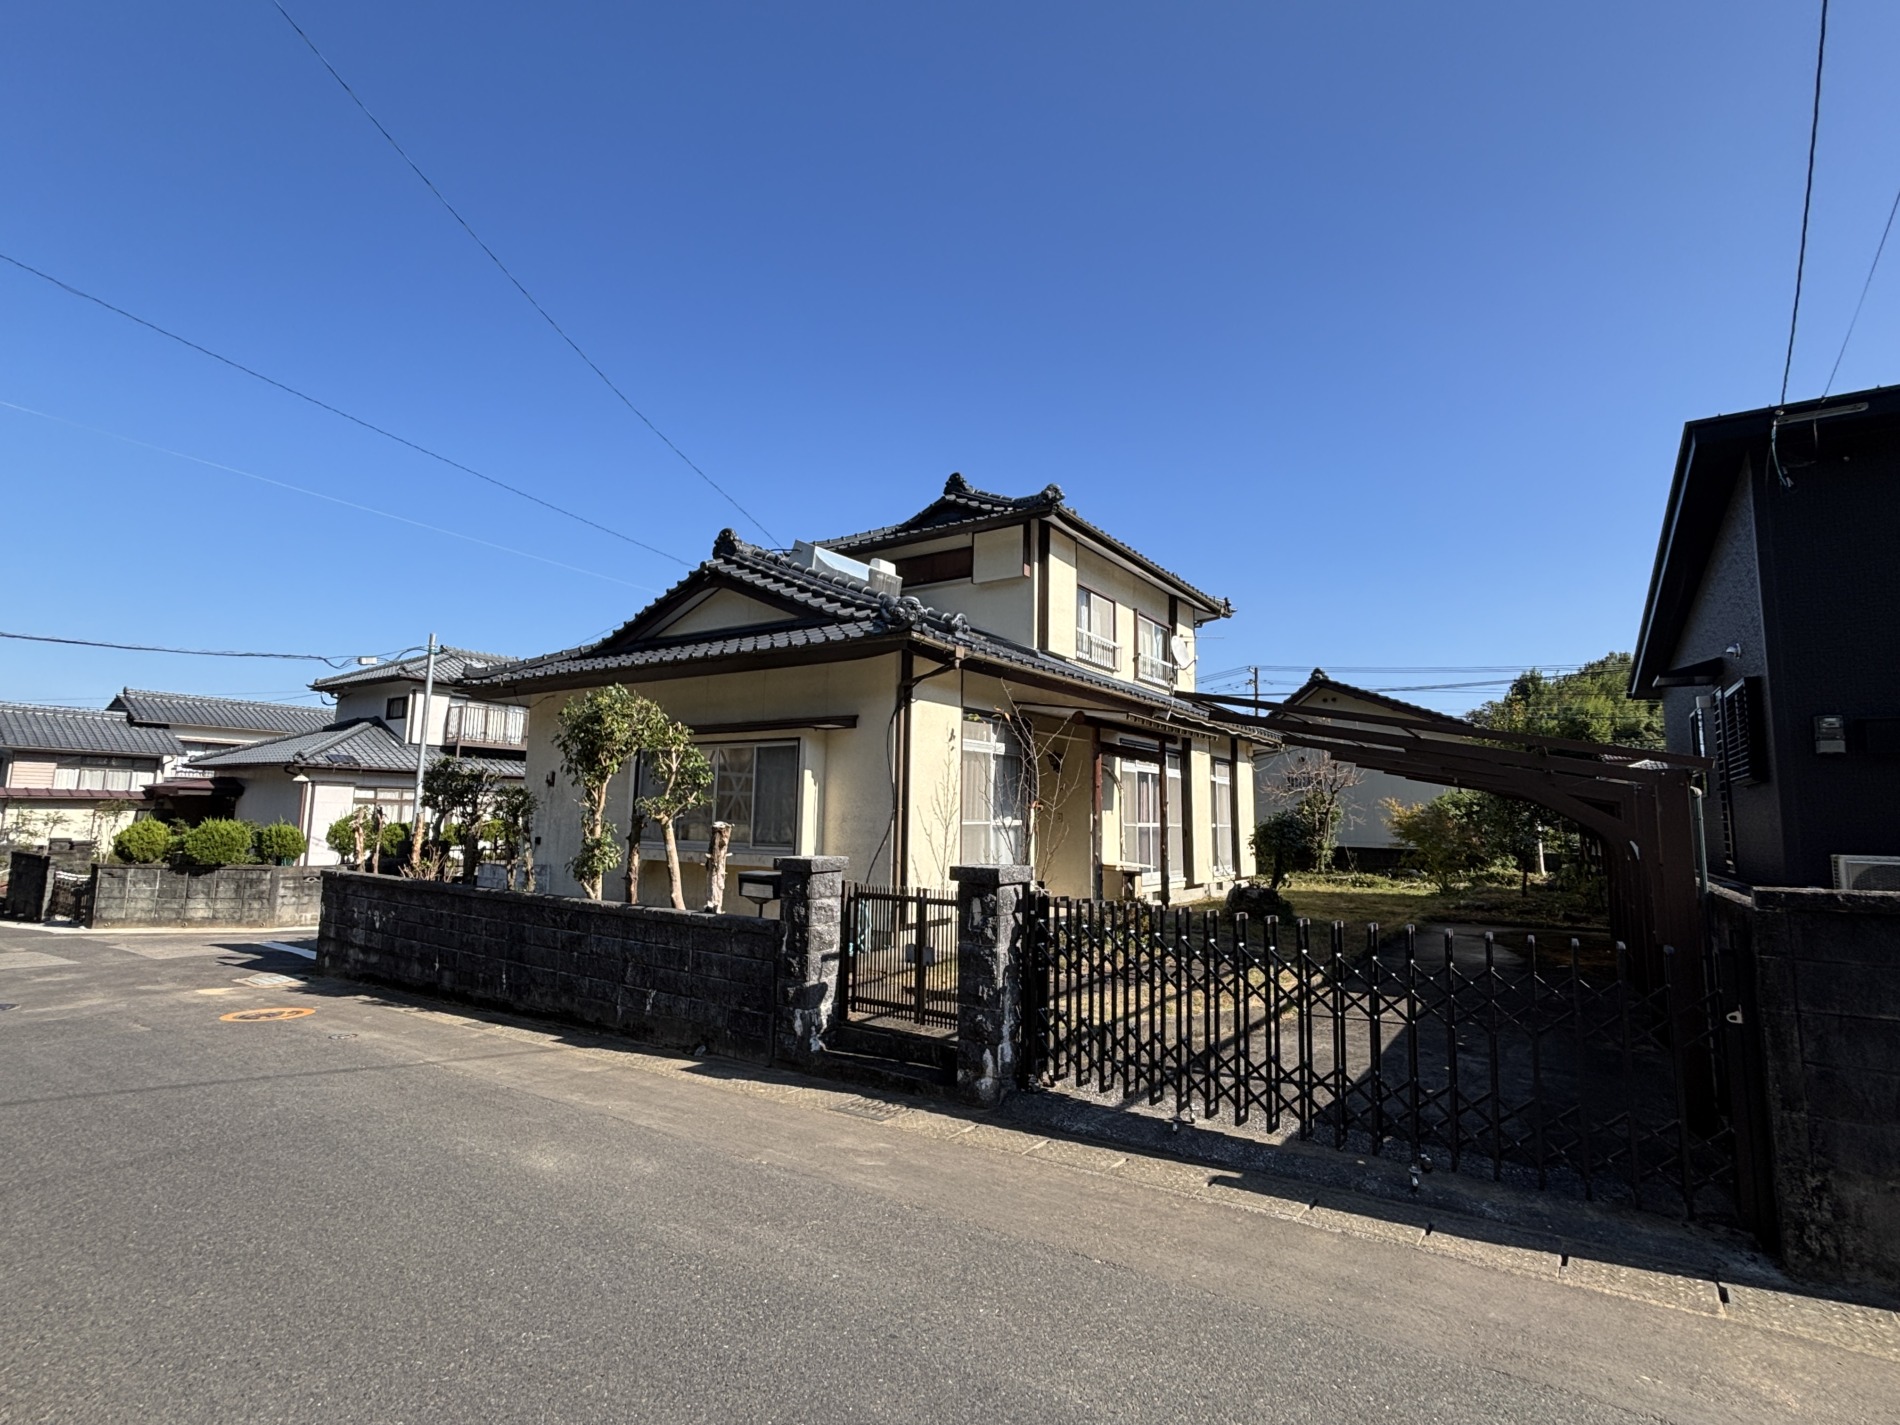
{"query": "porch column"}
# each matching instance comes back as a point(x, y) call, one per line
point(989, 980)
point(811, 905)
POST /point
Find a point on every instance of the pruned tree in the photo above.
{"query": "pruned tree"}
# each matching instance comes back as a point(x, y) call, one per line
point(675, 777)
point(597, 733)
point(459, 791)
point(716, 865)
point(514, 815)
point(1313, 787)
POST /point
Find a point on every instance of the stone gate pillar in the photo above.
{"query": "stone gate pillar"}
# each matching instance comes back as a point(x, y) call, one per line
point(989, 980)
point(811, 904)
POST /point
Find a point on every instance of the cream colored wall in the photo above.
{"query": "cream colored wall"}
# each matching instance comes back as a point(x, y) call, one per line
point(1064, 829)
point(726, 608)
point(35, 821)
point(1249, 816)
point(936, 780)
point(846, 773)
point(1199, 779)
point(1062, 580)
point(269, 795)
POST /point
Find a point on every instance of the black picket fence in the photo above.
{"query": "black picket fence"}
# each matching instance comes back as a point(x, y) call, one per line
point(1552, 1065)
point(900, 956)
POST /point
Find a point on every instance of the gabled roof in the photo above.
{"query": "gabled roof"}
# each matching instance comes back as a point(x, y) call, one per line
point(1318, 683)
point(361, 745)
point(452, 666)
point(832, 611)
point(152, 709)
point(27, 728)
point(963, 507)
point(1708, 462)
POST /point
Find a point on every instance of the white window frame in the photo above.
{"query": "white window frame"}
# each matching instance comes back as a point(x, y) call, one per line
point(398, 803)
point(693, 828)
point(1220, 788)
point(992, 828)
point(1140, 800)
point(1091, 644)
point(103, 774)
point(1153, 664)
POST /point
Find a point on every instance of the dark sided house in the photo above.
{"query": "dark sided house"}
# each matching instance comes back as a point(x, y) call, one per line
point(1772, 636)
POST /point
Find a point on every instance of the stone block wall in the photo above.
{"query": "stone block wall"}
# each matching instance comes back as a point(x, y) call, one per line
point(268, 897)
point(671, 977)
point(1827, 984)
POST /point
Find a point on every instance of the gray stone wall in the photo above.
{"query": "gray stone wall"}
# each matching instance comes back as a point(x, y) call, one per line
point(1827, 981)
point(671, 977)
point(266, 897)
point(29, 885)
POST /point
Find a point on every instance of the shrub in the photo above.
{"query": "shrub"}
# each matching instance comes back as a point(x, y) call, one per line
point(144, 843)
point(280, 843)
point(219, 842)
point(341, 837)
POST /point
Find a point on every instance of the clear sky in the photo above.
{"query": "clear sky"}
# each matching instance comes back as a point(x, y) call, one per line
point(1380, 320)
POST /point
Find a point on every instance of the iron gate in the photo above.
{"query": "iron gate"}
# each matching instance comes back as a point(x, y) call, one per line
point(71, 897)
point(1550, 1065)
point(900, 956)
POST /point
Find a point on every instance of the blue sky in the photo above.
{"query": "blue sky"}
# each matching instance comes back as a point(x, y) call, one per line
point(1380, 320)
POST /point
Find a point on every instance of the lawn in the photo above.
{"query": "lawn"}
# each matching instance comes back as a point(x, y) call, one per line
point(1395, 901)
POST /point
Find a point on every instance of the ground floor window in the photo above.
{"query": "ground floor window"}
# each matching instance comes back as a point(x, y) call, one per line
point(1141, 814)
point(397, 804)
point(754, 788)
point(1221, 803)
point(104, 774)
point(993, 831)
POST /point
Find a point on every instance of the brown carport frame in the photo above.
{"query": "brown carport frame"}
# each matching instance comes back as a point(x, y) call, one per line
point(1637, 801)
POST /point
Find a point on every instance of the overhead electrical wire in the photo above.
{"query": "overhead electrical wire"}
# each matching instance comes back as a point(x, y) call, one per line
point(320, 495)
point(1871, 269)
point(1807, 204)
point(517, 283)
point(338, 410)
point(334, 660)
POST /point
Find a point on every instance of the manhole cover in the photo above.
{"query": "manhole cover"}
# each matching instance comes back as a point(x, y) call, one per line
point(261, 1016)
point(269, 979)
point(867, 1108)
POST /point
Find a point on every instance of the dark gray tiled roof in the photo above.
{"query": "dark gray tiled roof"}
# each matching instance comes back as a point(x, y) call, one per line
point(842, 611)
point(26, 728)
point(364, 745)
point(237, 714)
point(962, 504)
point(452, 665)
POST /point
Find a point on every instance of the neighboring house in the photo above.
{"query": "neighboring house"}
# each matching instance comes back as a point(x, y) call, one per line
point(77, 773)
point(1001, 682)
point(1365, 832)
point(206, 724)
point(1769, 635)
point(363, 751)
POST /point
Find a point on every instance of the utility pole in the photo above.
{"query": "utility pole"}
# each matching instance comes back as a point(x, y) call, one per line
point(1256, 690)
point(421, 724)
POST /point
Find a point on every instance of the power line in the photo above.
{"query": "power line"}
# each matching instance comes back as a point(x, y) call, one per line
point(1807, 203)
point(320, 495)
point(1871, 269)
point(334, 660)
point(337, 410)
point(502, 267)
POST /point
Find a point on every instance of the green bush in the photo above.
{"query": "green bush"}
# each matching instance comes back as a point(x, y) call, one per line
point(219, 842)
point(341, 837)
point(280, 843)
point(144, 843)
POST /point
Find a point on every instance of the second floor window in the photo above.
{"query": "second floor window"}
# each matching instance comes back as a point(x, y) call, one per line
point(1153, 663)
point(1095, 628)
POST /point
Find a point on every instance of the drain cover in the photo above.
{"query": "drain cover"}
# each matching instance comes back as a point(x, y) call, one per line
point(9, 1006)
point(867, 1108)
point(269, 979)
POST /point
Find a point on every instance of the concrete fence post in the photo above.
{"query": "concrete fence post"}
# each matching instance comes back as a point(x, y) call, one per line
point(989, 980)
point(811, 906)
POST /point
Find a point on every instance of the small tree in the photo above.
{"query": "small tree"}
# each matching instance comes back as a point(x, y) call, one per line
point(280, 843)
point(1278, 842)
point(596, 734)
point(461, 793)
point(677, 777)
point(1313, 787)
point(1447, 835)
point(514, 842)
point(144, 843)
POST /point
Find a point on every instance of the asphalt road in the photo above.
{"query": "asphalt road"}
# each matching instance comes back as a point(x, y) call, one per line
point(368, 1213)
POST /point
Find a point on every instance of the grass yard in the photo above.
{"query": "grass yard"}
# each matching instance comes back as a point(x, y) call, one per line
point(1395, 901)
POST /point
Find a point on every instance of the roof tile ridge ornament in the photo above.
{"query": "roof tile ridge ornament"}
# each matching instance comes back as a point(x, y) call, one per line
point(1052, 493)
point(726, 544)
point(956, 484)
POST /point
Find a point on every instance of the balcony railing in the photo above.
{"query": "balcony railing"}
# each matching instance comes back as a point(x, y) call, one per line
point(1153, 669)
point(486, 725)
point(1093, 648)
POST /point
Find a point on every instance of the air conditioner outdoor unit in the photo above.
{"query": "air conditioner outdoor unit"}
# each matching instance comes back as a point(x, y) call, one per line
point(1867, 873)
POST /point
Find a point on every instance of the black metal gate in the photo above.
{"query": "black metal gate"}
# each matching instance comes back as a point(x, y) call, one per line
point(1551, 1065)
point(900, 956)
point(71, 897)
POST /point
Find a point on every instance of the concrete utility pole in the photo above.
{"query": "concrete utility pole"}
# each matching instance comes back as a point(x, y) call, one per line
point(422, 747)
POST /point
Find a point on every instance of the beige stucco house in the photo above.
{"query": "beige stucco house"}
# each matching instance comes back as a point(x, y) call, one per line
point(993, 680)
point(362, 752)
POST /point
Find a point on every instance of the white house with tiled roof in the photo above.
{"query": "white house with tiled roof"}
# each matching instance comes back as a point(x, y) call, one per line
point(993, 680)
point(363, 751)
point(76, 773)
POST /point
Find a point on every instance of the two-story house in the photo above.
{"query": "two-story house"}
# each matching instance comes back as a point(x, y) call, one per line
point(364, 752)
point(993, 680)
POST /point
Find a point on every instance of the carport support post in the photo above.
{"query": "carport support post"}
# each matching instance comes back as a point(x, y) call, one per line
point(989, 980)
point(811, 905)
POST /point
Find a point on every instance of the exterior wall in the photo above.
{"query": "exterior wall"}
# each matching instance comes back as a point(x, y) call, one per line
point(269, 896)
point(678, 978)
point(846, 773)
point(1132, 595)
point(936, 780)
point(30, 771)
point(1830, 583)
point(726, 609)
point(270, 795)
point(39, 820)
point(1365, 822)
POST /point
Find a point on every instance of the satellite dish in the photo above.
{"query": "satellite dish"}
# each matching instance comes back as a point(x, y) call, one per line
point(1180, 650)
